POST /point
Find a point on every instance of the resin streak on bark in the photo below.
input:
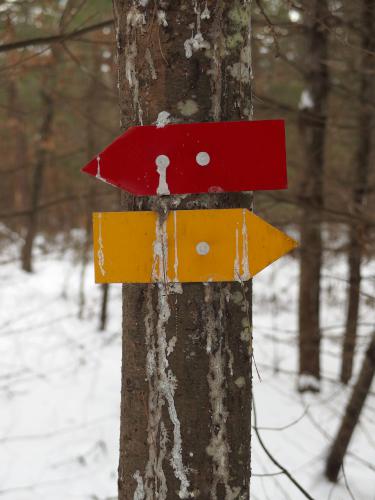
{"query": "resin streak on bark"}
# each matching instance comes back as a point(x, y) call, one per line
point(186, 374)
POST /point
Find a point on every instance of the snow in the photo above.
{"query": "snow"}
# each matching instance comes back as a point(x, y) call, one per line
point(60, 384)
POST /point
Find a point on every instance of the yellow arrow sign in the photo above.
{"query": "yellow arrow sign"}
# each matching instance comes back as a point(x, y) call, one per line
point(188, 246)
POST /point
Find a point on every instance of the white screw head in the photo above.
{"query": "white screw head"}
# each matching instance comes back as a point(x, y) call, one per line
point(162, 161)
point(203, 248)
point(203, 159)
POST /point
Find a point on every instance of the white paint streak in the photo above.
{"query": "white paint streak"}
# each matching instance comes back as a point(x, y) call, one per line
point(162, 18)
point(230, 361)
point(162, 387)
point(245, 249)
point(98, 171)
point(162, 381)
point(194, 43)
point(100, 245)
point(236, 274)
point(160, 264)
point(151, 64)
point(162, 163)
point(135, 20)
point(163, 119)
point(175, 247)
point(171, 345)
point(206, 13)
point(98, 175)
point(139, 493)
point(167, 388)
point(162, 483)
point(218, 448)
point(154, 474)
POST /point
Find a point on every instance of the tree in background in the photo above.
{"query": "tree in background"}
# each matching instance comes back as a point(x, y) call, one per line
point(312, 123)
point(361, 187)
point(41, 159)
point(352, 414)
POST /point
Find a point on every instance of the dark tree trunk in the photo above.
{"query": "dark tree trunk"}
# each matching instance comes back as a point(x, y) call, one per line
point(19, 148)
point(104, 307)
point(37, 179)
point(312, 121)
point(352, 414)
point(186, 374)
point(360, 186)
point(92, 100)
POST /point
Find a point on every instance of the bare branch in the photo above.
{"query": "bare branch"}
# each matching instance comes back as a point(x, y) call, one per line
point(48, 40)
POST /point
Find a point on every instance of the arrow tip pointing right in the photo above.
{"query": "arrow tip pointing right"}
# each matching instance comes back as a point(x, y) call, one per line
point(267, 243)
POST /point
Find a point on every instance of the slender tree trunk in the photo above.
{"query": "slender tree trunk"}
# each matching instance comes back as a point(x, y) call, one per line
point(186, 374)
point(92, 100)
point(360, 187)
point(37, 179)
point(18, 145)
point(352, 414)
point(104, 308)
point(313, 108)
point(19, 148)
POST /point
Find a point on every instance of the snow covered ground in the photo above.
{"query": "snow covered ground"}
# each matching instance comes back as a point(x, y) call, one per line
point(60, 386)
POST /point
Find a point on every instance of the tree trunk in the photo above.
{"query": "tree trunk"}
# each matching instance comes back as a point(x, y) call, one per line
point(92, 100)
point(37, 179)
point(104, 308)
point(352, 414)
point(312, 122)
point(19, 148)
point(186, 374)
point(360, 187)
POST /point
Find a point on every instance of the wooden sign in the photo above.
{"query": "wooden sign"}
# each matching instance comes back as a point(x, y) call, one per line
point(195, 158)
point(189, 246)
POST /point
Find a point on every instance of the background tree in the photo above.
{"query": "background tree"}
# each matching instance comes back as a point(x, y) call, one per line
point(361, 187)
point(352, 414)
point(312, 125)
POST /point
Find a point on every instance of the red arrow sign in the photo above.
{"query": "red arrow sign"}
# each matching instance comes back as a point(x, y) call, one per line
point(195, 158)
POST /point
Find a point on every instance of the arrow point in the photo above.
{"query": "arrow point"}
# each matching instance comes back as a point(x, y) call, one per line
point(91, 168)
point(267, 244)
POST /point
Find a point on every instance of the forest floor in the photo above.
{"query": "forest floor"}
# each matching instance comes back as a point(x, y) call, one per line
point(60, 385)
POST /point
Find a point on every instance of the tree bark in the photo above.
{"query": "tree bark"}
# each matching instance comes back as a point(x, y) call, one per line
point(186, 374)
point(312, 123)
point(19, 148)
point(352, 414)
point(360, 186)
point(92, 100)
point(37, 179)
point(104, 307)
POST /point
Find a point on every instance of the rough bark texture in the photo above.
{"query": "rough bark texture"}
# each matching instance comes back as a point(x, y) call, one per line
point(313, 129)
point(352, 414)
point(186, 375)
point(360, 186)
